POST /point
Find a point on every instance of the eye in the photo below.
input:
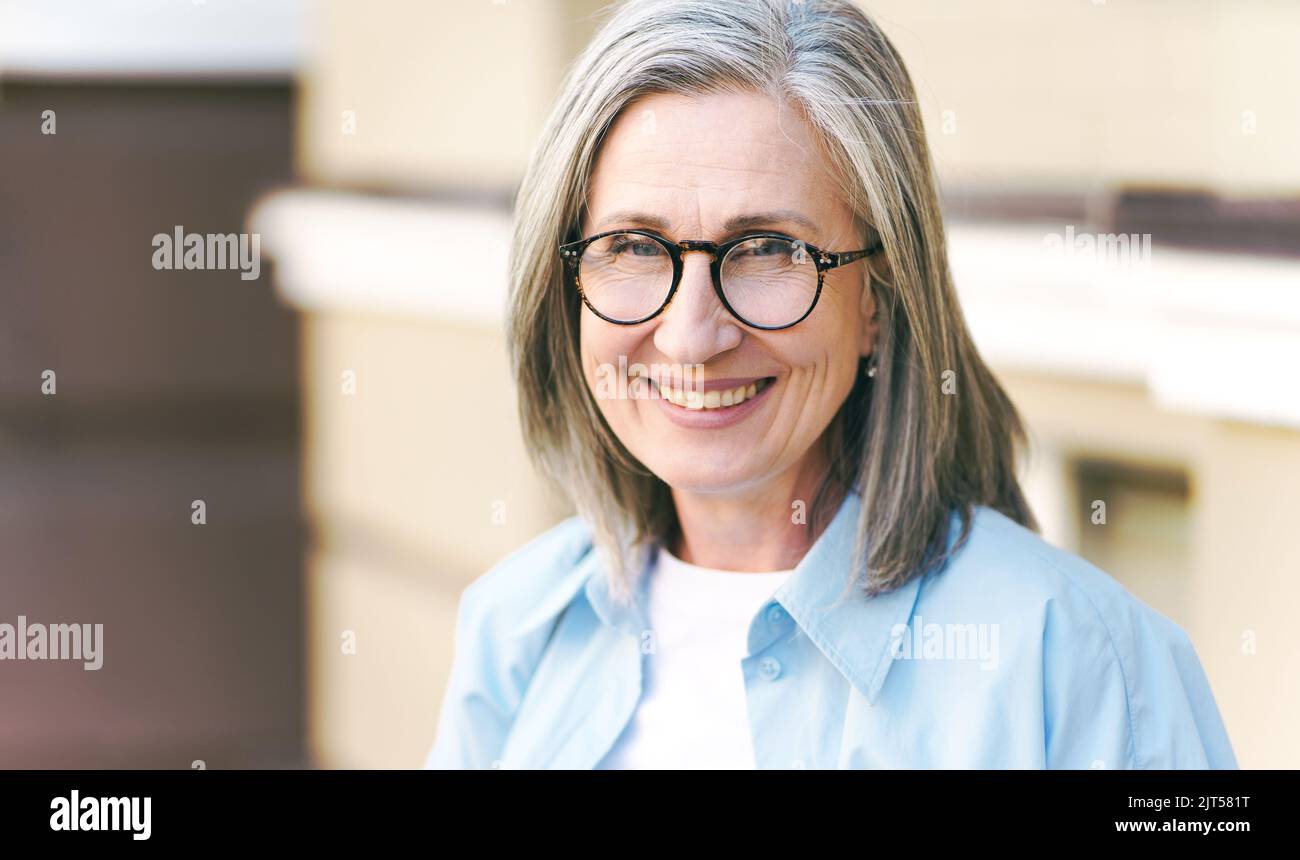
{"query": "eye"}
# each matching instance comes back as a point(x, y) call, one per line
point(763, 248)
point(635, 246)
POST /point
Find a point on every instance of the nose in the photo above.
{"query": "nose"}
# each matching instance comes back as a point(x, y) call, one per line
point(695, 326)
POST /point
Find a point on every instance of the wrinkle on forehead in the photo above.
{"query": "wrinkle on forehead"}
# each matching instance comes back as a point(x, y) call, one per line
point(701, 160)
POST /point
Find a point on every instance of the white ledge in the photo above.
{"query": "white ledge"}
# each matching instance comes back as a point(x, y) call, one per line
point(336, 251)
point(1213, 334)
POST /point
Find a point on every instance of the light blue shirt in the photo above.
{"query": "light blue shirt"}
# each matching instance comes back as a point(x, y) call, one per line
point(1015, 654)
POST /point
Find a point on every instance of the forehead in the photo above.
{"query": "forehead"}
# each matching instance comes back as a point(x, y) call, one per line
point(700, 160)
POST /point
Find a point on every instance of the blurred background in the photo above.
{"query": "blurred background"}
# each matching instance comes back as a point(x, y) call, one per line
point(1123, 193)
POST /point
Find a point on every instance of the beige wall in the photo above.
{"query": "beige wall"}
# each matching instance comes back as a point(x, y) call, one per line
point(447, 94)
point(452, 93)
point(1195, 92)
point(416, 484)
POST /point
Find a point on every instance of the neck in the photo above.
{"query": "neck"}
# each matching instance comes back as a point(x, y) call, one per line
point(758, 529)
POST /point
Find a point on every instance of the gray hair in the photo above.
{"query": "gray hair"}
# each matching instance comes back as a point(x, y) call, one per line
point(931, 433)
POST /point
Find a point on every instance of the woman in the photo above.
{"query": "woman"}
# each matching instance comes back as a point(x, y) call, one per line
point(801, 542)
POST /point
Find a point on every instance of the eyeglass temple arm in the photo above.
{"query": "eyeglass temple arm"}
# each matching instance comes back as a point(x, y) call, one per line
point(846, 257)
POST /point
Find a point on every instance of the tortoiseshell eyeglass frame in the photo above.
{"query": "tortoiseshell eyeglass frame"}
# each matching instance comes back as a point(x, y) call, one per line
point(571, 253)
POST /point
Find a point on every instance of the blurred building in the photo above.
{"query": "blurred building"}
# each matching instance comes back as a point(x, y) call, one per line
point(1156, 378)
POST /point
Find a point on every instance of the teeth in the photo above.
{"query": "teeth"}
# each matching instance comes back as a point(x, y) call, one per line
point(690, 399)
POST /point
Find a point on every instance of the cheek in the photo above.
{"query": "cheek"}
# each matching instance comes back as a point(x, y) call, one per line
point(606, 351)
point(846, 323)
point(828, 349)
point(597, 345)
point(822, 374)
point(823, 361)
point(847, 292)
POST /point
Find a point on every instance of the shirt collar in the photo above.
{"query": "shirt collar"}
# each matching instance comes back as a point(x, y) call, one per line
point(857, 633)
point(590, 577)
point(557, 599)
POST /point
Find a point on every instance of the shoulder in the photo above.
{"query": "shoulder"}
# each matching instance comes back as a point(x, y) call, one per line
point(501, 631)
point(1088, 640)
point(1015, 565)
point(1005, 564)
point(543, 574)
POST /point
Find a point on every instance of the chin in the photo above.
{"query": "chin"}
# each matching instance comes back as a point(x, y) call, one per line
point(705, 475)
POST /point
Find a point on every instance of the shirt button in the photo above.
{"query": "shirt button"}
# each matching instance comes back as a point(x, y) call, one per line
point(776, 614)
point(769, 669)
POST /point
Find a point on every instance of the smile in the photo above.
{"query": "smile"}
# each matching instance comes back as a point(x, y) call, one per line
point(712, 398)
point(715, 405)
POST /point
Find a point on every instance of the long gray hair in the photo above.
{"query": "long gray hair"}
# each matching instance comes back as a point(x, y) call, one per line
point(931, 433)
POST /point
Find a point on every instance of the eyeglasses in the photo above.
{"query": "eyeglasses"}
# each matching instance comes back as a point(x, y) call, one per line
point(768, 281)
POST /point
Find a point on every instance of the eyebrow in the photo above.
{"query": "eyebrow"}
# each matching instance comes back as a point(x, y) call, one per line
point(735, 224)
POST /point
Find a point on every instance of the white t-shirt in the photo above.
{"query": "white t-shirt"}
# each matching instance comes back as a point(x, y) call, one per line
point(693, 713)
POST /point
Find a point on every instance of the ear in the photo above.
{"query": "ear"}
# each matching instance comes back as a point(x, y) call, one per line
point(870, 316)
